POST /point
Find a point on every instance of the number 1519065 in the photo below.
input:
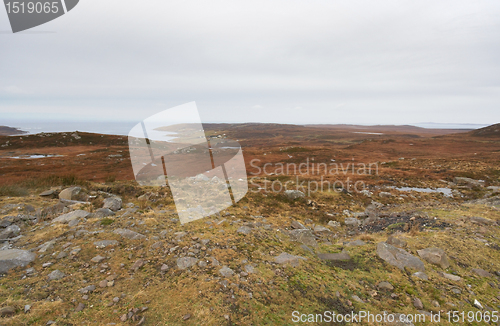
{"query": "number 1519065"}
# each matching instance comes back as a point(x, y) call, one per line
point(472, 316)
point(32, 7)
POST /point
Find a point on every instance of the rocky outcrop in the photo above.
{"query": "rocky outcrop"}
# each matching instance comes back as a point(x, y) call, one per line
point(12, 258)
point(399, 257)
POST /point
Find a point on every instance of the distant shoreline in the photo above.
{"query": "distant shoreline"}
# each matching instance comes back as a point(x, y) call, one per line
point(9, 131)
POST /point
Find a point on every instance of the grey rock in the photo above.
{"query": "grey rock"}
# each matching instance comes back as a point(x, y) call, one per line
point(461, 181)
point(294, 194)
point(62, 254)
point(12, 258)
point(352, 221)
point(456, 291)
point(244, 229)
point(186, 262)
point(27, 308)
point(343, 256)
point(334, 224)
point(249, 269)
point(304, 236)
point(105, 243)
point(399, 257)
point(137, 265)
point(129, 234)
point(481, 220)
point(385, 286)
point(396, 242)
point(70, 193)
point(357, 299)
point(417, 303)
point(297, 225)
point(97, 259)
point(10, 232)
point(113, 203)
point(384, 194)
point(164, 268)
point(286, 258)
point(451, 277)
point(7, 311)
point(226, 271)
point(80, 307)
point(66, 218)
point(47, 193)
point(320, 229)
point(56, 275)
point(435, 256)
point(421, 275)
point(481, 272)
point(478, 305)
point(103, 212)
point(87, 289)
point(46, 246)
point(356, 243)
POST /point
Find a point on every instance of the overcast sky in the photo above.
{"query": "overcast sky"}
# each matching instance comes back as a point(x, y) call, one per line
point(366, 62)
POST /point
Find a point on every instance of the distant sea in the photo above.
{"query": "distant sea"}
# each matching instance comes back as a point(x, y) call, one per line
point(123, 127)
point(100, 127)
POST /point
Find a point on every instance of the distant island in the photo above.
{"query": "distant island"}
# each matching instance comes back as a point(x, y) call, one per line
point(9, 131)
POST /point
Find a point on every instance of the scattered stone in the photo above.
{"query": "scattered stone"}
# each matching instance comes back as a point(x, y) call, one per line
point(113, 203)
point(129, 234)
point(352, 221)
point(356, 243)
point(47, 193)
point(286, 258)
point(249, 269)
point(435, 256)
point(461, 181)
point(481, 220)
point(385, 286)
point(304, 236)
point(74, 215)
point(421, 276)
point(164, 268)
point(11, 258)
point(97, 259)
point(384, 194)
point(27, 308)
point(334, 224)
point(103, 284)
point(10, 232)
point(456, 291)
point(116, 299)
point(226, 271)
point(294, 194)
point(478, 305)
point(103, 212)
point(105, 243)
point(396, 242)
point(320, 229)
point(451, 277)
point(357, 299)
point(399, 257)
point(417, 303)
point(138, 264)
point(297, 225)
point(186, 317)
point(244, 229)
point(87, 289)
point(70, 193)
point(186, 262)
point(482, 272)
point(343, 256)
point(7, 311)
point(56, 275)
point(80, 307)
